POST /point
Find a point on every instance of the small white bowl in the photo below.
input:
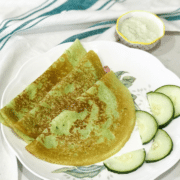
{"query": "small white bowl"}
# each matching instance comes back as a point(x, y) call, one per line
point(144, 14)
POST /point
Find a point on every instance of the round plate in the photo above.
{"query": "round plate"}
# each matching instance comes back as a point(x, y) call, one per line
point(149, 74)
point(8, 161)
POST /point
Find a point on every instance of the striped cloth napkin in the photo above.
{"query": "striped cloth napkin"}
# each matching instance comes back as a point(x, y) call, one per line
point(30, 28)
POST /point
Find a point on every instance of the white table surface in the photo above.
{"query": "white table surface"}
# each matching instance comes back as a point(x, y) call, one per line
point(168, 52)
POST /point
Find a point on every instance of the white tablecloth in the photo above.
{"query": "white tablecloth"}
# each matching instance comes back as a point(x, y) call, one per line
point(30, 28)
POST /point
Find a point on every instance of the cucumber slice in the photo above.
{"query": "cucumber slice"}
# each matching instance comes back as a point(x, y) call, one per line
point(173, 92)
point(161, 107)
point(147, 126)
point(161, 147)
point(126, 163)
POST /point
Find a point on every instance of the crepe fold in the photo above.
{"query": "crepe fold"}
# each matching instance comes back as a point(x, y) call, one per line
point(61, 96)
point(36, 91)
point(96, 126)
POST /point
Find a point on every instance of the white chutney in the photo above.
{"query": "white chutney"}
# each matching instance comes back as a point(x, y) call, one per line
point(140, 29)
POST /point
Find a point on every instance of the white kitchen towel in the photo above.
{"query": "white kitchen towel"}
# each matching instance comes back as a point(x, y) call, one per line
point(30, 28)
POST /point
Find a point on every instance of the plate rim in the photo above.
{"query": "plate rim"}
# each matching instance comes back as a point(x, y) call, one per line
point(67, 44)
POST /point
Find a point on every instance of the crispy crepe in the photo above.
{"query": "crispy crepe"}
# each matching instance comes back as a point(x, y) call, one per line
point(26, 100)
point(61, 96)
point(94, 128)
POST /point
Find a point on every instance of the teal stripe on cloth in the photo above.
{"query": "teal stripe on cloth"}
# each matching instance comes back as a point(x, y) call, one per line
point(24, 14)
point(71, 5)
point(119, 1)
point(17, 29)
point(111, 5)
point(177, 11)
point(22, 18)
point(68, 5)
point(173, 18)
point(21, 31)
point(175, 15)
point(5, 42)
point(104, 5)
point(85, 35)
point(104, 23)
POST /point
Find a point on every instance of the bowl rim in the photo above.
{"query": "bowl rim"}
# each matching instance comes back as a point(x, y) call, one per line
point(136, 42)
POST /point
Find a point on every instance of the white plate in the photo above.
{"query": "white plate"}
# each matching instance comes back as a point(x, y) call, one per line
point(149, 73)
point(8, 164)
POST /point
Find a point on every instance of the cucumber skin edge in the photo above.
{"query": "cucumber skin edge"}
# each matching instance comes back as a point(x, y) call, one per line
point(167, 123)
point(176, 116)
point(172, 117)
point(150, 139)
point(168, 96)
point(152, 161)
point(127, 172)
point(144, 143)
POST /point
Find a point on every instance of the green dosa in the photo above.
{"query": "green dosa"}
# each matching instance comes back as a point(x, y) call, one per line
point(62, 95)
point(93, 129)
point(35, 92)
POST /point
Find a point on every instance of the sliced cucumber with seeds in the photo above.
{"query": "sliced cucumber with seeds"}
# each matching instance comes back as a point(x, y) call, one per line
point(126, 163)
point(161, 147)
point(173, 92)
point(147, 126)
point(161, 107)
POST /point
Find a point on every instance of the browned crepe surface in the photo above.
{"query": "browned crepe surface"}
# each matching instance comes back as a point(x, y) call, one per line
point(36, 91)
point(95, 127)
point(61, 96)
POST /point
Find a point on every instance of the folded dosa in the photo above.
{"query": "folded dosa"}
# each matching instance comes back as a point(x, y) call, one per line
point(96, 127)
point(62, 95)
point(26, 100)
